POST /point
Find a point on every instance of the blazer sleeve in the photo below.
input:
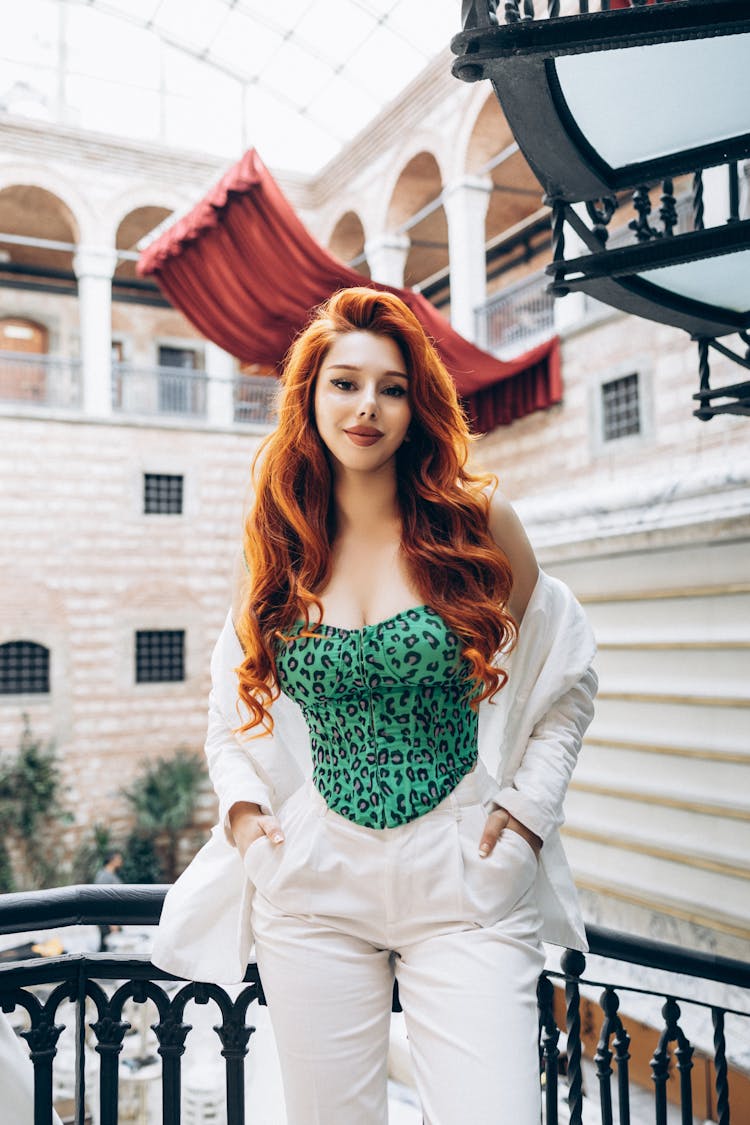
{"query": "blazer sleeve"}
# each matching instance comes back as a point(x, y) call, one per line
point(537, 791)
point(231, 769)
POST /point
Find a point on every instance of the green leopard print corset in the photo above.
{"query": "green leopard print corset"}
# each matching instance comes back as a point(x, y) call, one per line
point(387, 707)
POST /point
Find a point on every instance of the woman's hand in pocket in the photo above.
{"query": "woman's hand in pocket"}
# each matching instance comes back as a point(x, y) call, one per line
point(249, 823)
point(497, 822)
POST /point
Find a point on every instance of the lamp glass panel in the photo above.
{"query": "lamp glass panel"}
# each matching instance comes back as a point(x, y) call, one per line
point(723, 282)
point(639, 103)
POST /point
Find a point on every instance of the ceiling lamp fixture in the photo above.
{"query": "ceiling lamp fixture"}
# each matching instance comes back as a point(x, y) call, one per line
point(642, 104)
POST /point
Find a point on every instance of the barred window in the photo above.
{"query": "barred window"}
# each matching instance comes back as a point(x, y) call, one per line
point(159, 656)
point(162, 494)
point(24, 667)
point(621, 407)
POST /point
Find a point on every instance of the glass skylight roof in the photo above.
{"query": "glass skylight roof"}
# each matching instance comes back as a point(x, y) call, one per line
point(297, 78)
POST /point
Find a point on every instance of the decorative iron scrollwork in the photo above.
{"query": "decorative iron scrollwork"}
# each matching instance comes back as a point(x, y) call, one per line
point(612, 1027)
point(644, 232)
point(668, 209)
point(573, 964)
point(600, 211)
point(672, 1033)
point(736, 396)
point(550, 1051)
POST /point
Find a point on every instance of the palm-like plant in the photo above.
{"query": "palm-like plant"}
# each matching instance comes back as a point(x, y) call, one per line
point(164, 798)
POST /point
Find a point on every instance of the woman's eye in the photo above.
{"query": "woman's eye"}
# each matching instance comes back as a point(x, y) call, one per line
point(342, 384)
point(395, 391)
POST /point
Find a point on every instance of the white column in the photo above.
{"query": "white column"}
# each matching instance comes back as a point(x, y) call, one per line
point(744, 171)
point(221, 371)
point(94, 267)
point(386, 256)
point(715, 196)
point(466, 202)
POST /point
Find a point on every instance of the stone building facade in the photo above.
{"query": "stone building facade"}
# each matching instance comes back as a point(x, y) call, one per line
point(643, 509)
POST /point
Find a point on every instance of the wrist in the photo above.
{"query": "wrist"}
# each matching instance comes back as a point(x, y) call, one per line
point(530, 837)
point(241, 813)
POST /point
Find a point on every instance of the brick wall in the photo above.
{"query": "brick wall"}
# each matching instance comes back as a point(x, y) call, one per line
point(83, 568)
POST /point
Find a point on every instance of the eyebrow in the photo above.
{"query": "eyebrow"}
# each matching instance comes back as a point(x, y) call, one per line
point(356, 367)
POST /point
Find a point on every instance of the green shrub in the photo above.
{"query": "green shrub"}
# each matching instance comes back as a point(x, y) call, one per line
point(164, 798)
point(91, 854)
point(31, 813)
point(140, 862)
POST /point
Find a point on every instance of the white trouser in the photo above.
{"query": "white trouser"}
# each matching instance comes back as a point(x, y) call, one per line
point(339, 909)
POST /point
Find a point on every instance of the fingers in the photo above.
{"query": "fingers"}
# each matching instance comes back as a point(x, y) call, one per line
point(271, 828)
point(534, 841)
point(493, 828)
point(248, 830)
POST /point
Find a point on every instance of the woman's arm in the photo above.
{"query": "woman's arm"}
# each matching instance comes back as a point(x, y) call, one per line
point(541, 781)
point(533, 804)
point(507, 531)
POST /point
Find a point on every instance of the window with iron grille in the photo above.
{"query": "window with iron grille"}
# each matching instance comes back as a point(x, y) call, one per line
point(621, 407)
point(159, 656)
point(162, 494)
point(24, 667)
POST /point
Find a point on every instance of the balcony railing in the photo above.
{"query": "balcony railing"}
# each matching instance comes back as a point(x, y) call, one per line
point(482, 13)
point(159, 390)
point(103, 990)
point(40, 380)
point(145, 392)
point(179, 392)
point(517, 318)
point(255, 399)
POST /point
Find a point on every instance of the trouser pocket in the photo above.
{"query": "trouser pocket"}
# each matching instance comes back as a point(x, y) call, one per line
point(284, 872)
point(492, 886)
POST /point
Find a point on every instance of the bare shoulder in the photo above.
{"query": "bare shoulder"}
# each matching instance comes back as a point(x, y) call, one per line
point(508, 532)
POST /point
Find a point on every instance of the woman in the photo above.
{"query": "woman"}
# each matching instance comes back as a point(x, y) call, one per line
point(372, 644)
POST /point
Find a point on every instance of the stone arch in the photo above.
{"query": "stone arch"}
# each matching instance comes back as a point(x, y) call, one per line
point(489, 135)
point(347, 241)
point(35, 212)
point(85, 229)
point(515, 204)
point(132, 228)
point(418, 184)
point(393, 174)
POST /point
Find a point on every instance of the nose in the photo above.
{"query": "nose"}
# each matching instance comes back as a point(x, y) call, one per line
point(368, 406)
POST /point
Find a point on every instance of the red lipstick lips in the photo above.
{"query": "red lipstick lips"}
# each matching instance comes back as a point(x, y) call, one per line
point(364, 435)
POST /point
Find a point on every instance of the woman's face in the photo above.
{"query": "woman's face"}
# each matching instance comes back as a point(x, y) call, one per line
point(362, 406)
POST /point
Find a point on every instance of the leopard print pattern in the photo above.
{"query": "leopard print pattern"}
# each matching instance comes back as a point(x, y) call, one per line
point(387, 707)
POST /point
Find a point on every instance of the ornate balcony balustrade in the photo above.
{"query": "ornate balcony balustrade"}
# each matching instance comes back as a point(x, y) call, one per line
point(101, 990)
point(40, 380)
point(159, 390)
point(516, 318)
point(189, 394)
point(620, 103)
point(195, 397)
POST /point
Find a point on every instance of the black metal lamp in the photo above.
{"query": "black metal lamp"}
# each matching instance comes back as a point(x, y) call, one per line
point(611, 103)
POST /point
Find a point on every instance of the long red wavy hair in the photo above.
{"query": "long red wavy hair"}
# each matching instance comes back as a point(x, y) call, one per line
point(451, 557)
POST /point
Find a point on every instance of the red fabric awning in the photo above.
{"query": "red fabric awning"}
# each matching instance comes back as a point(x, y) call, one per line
point(245, 271)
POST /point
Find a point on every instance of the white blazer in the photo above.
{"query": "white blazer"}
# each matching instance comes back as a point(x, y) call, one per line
point(529, 738)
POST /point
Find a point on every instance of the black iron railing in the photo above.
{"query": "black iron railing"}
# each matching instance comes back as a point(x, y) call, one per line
point(537, 54)
point(99, 986)
point(483, 13)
